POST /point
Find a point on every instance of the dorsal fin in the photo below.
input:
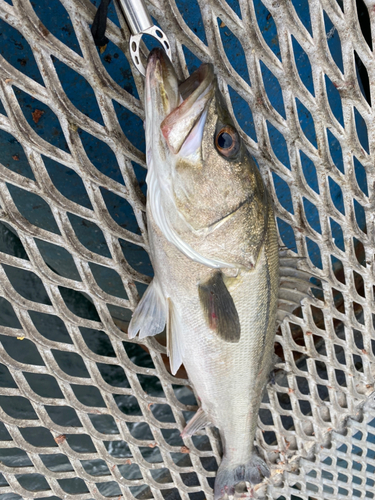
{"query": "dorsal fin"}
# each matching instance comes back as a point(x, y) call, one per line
point(295, 284)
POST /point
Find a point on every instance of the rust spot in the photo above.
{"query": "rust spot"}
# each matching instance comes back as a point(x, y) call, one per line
point(222, 25)
point(152, 445)
point(308, 333)
point(102, 49)
point(128, 461)
point(149, 405)
point(15, 157)
point(60, 439)
point(37, 115)
point(364, 351)
point(43, 29)
point(8, 80)
point(184, 449)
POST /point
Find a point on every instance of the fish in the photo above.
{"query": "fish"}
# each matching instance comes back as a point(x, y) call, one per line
point(215, 254)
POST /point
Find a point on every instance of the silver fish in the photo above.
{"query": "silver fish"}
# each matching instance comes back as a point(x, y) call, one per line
point(214, 250)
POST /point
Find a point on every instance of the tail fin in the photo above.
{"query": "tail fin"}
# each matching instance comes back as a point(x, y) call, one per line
point(229, 476)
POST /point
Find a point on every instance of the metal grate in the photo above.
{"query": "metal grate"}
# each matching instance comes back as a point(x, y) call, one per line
point(343, 470)
point(85, 412)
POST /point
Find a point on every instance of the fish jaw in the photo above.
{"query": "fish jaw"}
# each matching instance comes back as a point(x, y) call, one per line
point(186, 122)
point(175, 112)
point(162, 94)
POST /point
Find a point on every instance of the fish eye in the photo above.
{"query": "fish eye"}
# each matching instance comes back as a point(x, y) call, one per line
point(227, 141)
point(224, 140)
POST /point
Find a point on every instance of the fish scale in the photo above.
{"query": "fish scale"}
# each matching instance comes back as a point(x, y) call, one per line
point(228, 378)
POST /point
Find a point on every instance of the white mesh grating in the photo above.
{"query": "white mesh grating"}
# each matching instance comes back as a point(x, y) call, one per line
point(69, 429)
point(343, 470)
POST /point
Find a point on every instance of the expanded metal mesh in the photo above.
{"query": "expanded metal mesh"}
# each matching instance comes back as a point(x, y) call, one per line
point(69, 428)
point(344, 470)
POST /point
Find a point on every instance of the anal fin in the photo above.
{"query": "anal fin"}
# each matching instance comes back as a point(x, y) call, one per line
point(198, 422)
point(174, 338)
point(149, 317)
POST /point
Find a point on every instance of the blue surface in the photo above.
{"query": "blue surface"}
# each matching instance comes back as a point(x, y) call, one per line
point(273, 89)
point(334, 42)
point(334, 100)
point(234, 51)
point(303, 66)
point(335, 151)
point(267, 27)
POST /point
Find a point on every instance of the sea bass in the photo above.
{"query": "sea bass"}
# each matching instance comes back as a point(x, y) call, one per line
point(214, 250)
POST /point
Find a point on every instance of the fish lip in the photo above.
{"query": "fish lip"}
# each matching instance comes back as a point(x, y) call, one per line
point(196, 93)
point(161, 89)
point(177, 107)
point(159, 67)
point(157, 55)
point(197, 82)
point(194, 88)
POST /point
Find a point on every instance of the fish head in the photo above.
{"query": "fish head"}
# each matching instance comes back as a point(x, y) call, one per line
point(195, 151)
point(178, 112)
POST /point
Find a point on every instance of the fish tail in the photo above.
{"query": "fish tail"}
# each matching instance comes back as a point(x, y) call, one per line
point(230, 475)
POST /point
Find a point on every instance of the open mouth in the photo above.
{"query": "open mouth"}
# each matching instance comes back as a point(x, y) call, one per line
point(188, 101)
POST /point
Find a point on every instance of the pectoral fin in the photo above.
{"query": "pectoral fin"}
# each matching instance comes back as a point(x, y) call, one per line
point(218, 307)
point(149, 317)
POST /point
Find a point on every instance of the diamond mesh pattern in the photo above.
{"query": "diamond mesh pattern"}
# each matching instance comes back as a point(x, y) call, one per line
point(344, 470)
point(68, 430)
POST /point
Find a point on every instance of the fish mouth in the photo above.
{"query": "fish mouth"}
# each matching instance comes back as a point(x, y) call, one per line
point(183, 104)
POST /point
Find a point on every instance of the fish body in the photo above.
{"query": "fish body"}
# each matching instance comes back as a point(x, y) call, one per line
point(214, 250)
